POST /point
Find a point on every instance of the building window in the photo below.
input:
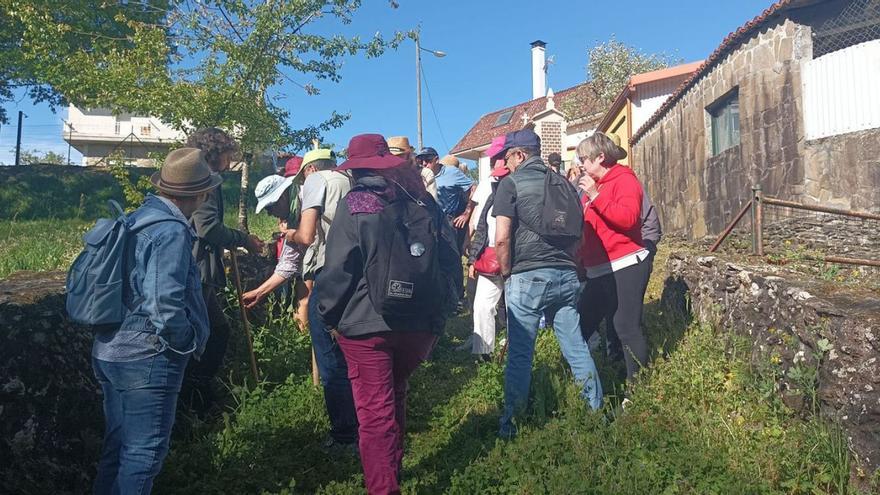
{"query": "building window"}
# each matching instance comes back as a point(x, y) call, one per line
point(116, 128)
point(724, 115)
point(503, 118)
point(145, 130)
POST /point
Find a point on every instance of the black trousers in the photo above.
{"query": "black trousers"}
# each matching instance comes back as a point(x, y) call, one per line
point(619, 296)
point(211, 361)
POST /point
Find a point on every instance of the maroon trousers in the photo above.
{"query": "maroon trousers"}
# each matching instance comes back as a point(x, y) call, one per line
point(379, 366)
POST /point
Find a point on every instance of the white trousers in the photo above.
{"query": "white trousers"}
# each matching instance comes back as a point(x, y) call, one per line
point(486, 297)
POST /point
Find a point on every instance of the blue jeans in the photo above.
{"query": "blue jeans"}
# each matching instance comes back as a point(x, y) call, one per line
point(333, 371)
point(140, 399)
point(529, 295)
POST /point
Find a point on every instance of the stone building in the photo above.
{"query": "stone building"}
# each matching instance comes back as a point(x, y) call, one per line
point(562, 119)
point(788, 102)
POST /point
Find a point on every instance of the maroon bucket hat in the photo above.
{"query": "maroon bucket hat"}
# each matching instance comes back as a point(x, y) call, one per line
point(370, 151)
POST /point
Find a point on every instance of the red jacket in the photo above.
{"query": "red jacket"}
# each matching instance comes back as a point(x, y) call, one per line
point(612, 221)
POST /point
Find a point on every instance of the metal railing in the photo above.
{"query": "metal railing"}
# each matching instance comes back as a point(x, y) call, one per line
point(755, 206)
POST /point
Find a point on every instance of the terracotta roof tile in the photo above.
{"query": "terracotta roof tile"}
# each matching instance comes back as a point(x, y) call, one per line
point(484, 130)
point(732, 41)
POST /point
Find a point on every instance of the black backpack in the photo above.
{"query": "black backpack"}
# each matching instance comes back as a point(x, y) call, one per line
point(412, 276)
point(562, 218)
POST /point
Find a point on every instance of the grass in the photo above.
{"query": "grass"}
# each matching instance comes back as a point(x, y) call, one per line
point(705, 417)
point(704, 420)
point(39, 245)
point(44, 245)
point(45, 210)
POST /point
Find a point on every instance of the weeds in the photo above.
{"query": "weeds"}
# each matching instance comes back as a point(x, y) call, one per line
point(704, 420)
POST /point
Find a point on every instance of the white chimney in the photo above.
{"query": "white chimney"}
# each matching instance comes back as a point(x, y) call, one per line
point(539, 70)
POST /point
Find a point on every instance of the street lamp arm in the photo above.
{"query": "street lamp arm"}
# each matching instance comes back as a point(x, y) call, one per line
point(436, 53)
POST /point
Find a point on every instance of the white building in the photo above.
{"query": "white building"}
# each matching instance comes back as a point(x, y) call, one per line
point(97, 133)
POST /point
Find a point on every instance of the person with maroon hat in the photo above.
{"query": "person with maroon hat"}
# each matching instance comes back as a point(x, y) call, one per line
point(387, 287)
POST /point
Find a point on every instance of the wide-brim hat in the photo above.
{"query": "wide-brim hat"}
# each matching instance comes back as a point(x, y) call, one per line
point(311, 156)
point(399, 145)
point(185, 173)
point(270, 189)
point(621, 153)
point(370, 151)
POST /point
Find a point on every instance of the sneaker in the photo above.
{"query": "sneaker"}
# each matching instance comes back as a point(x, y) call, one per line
point(625, 403)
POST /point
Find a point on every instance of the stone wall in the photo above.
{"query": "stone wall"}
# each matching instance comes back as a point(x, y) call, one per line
point(844, 171)
point(51, 418)
point(697, 193)
point(799, 325)
point(50, 403)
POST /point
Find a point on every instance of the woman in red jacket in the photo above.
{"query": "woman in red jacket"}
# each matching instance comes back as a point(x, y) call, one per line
point(612, 252)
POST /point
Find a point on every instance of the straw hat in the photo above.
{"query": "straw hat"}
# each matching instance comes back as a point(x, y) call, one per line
point(185, 173)
point(398, 145)
point(450, 161)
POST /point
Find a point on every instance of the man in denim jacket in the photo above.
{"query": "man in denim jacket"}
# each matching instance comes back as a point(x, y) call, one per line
point(140, 365)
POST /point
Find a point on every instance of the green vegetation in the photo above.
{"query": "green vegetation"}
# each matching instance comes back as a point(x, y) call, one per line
point(703, 420)
point(45, 210)
point(39, 245)
point(705, 417)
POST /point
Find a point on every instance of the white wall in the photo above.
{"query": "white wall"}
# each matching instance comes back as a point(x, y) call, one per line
point(841, 91)
point(650, 97)
point(101, 123)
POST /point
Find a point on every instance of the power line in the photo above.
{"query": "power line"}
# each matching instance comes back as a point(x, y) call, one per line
point(434, 110)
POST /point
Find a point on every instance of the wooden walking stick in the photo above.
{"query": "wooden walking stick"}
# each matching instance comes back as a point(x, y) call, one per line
point(236, 277)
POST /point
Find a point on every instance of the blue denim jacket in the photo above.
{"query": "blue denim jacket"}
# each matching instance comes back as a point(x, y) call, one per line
point(165, 307)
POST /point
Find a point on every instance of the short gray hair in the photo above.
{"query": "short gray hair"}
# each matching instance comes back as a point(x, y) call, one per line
point(597, 144)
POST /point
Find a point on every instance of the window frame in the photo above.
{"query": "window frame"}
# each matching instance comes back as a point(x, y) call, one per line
point(508, 114)
point(721, 116)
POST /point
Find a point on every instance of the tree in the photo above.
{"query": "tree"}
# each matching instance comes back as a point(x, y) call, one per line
point(191, 64)
point(612, 63)
point(30, 157)
point(41, 40)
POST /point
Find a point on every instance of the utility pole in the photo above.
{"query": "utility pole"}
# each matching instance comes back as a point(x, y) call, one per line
point(418, 91)
point(436, 53)
point(69, 137)
point(18, 140)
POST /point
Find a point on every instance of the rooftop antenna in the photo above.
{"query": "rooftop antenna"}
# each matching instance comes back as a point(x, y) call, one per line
point(550, 61)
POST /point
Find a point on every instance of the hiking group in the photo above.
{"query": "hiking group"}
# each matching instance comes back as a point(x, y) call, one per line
point(371, 250)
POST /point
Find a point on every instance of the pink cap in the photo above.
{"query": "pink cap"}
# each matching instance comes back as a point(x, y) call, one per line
point(495, 147)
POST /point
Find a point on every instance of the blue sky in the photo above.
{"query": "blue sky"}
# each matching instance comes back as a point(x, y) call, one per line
point(487, 67)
